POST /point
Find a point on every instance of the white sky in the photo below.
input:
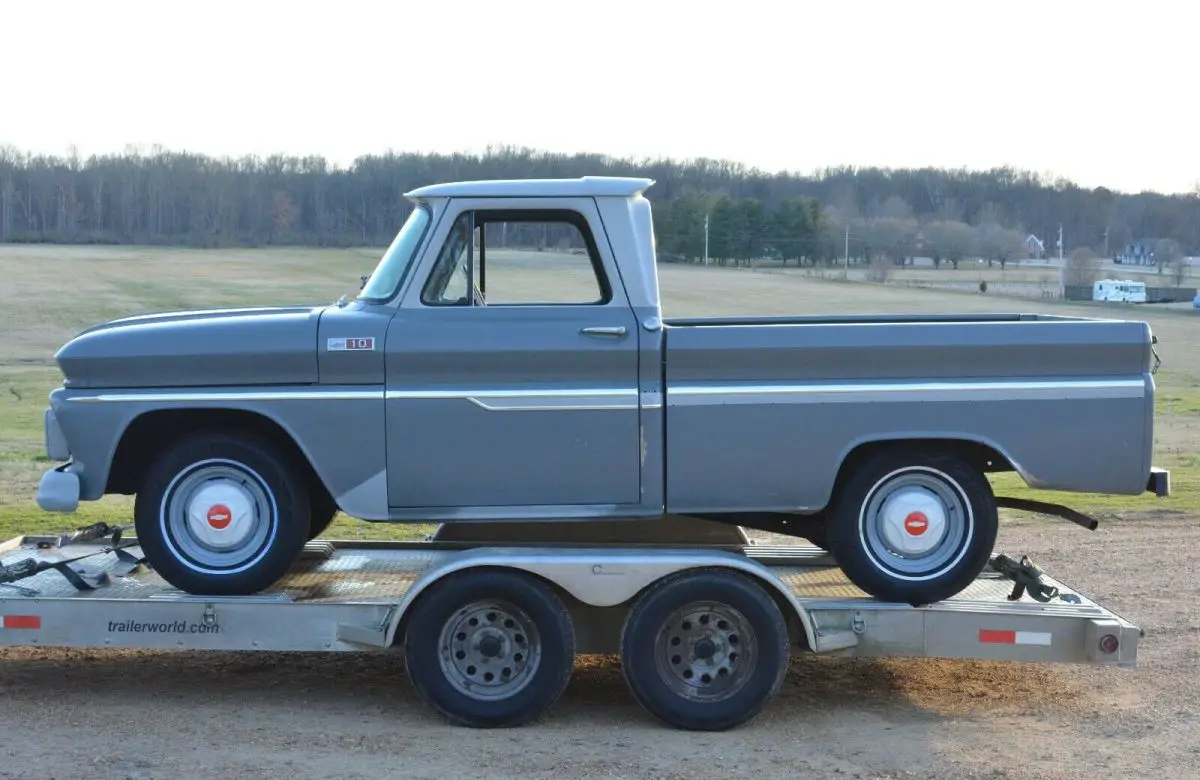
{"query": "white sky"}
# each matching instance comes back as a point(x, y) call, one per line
point(1100, 92)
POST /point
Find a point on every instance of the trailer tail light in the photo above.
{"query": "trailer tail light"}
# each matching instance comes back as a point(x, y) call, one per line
point(1109, 644)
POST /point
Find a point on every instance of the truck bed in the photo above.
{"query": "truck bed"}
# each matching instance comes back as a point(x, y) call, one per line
point(1022, 392)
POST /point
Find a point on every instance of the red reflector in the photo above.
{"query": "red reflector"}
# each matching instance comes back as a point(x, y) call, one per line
point(997, 637)
point(22, 621)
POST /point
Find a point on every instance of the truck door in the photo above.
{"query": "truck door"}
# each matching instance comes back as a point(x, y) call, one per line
point(512, 369)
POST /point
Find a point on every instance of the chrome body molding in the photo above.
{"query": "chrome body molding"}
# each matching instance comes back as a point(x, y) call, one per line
point(547, 399)
point(1001, 390)
point(230, 396)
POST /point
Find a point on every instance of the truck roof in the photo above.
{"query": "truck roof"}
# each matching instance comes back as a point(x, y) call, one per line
point(584, 186)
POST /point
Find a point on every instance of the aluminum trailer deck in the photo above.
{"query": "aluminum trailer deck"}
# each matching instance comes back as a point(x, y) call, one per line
point(489, 631)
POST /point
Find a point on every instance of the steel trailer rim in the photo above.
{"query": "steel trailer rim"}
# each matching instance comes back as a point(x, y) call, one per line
point(489, 650)
point(705, 651)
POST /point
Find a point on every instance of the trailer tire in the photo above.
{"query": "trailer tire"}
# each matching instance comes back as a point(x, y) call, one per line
point(489, 648)
point(222, 514)
point(883, 511)
point(705, 649)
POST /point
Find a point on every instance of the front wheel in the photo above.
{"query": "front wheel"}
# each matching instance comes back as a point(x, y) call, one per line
point(222, 514)
point(913, 526)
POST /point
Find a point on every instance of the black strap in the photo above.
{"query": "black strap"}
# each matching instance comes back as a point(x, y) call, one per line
point(81, 580)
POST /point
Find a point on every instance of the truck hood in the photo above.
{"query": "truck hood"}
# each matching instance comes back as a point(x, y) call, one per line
point(197, 348)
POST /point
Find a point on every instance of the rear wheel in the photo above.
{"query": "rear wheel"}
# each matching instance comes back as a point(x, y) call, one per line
point(488, 648)
point(913, 525)
point(705, 650)
point(222, 514)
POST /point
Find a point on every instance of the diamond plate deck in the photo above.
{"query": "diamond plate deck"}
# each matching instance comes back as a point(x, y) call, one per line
point(346, 572)
point(322, 575)
point(831, 583)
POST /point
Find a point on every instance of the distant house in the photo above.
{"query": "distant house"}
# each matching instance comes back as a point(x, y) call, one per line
point(1035, 247)
point(1140, 252)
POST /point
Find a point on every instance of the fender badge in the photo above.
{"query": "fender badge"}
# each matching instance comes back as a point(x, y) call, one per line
point(362, 343)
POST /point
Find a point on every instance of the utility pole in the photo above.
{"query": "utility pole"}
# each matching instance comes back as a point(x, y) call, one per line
point(1062, 266)
point(1106, 242)
point(706, 239)
point(846, 255)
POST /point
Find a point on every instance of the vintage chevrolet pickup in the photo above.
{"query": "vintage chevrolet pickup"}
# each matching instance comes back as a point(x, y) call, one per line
point(507, 360)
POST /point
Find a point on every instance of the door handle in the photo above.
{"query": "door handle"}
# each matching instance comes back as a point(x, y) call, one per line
point(604, 330)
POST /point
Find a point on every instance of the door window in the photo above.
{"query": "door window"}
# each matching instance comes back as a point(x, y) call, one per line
point(515, 258)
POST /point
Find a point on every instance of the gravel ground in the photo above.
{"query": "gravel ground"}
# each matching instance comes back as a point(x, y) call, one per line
point(121, 714)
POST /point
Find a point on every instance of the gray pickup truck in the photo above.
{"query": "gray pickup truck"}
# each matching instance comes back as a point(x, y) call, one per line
point(507, 360)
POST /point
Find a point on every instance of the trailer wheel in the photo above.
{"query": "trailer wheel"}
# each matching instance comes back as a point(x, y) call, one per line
point(705, 649)
point(222, 514)
point(489, 648)
point(913, 526)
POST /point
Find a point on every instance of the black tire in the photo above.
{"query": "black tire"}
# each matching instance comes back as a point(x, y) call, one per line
point(680, 680)
point(223, 469)
point(445, 655)
point(933, 482)
point(324, 509)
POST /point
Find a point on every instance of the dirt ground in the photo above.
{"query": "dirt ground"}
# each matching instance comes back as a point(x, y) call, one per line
point(119, 714)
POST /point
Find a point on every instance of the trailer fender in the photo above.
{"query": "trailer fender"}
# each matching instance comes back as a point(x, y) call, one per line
point(606, 578)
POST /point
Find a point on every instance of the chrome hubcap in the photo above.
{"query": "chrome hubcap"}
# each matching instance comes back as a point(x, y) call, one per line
point(218, 516)
point(916, 523)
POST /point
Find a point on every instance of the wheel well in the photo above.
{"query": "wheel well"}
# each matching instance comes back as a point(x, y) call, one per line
point(979, 456)
point(150, 434)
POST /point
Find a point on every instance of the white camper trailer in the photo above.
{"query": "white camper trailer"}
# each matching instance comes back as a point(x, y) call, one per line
point(1123, 290)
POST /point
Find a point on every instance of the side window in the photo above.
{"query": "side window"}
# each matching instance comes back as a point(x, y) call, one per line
point(513, 257)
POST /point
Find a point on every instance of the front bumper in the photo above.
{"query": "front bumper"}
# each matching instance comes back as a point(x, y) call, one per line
point(1159, 483)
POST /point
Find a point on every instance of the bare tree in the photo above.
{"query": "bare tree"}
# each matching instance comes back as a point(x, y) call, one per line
point(878, 269)
point(1179, 270)
point(951, 241)
point(1166, 252)
point(998, 244)
point(1083, 267)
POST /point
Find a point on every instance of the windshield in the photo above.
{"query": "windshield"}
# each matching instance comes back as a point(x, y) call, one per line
point(386, 277)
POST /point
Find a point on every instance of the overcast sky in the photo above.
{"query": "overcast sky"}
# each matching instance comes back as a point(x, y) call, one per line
point(1104, 93)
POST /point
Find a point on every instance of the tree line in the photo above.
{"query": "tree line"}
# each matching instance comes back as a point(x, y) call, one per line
point(879, 215)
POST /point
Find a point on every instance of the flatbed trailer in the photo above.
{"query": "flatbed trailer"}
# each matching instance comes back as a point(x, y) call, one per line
point(489, 629)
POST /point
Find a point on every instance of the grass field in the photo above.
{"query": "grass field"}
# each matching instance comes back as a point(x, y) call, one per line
point(47, 293)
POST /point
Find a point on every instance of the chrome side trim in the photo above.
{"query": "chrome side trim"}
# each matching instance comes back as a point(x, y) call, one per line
point(541, 404)
point(708, 395)
point(224, 396)
point(531, 400)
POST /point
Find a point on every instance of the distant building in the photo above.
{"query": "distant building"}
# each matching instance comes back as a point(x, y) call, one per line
point(1140, 252)
point(1035, 247)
